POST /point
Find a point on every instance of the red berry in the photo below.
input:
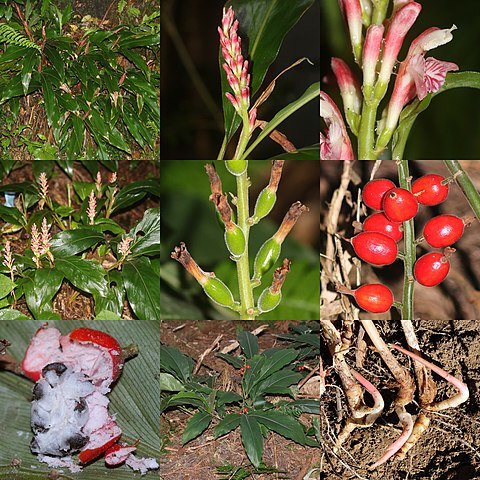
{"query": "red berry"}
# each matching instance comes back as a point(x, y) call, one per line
point(375, 248)
point(443, 231)
point(429, 190)
point(399, 205)
point(374, 298)
point(374, 191)
point(378, 222)
point(431, 269)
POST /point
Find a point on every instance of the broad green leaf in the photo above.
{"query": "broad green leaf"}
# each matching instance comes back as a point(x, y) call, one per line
point(6, 285)
point(51, 109)
point(263, 26)
point(170, 383)
point(306, 405)
point(134, 192)
point(146, 234)
point(41, 289)
point(281, 423)
point(251, 374)
point(278, 360)
point(11, 215)
point(306, 338)
point(237, 362)
point(195, 426)
point(142, 41)
point(252, 439)
point(227, 424)
point(115, 297)
point(175, 362)
point(185, 398)
point(116, 139)
point(75, 143)
point(70, 242)
point(134, 401)
point(278, 382)
point(107, 315)
point(8, 314)
point(86, 275)
point(15, 88)
point(56, 60)
point(249, 343)
point(310, 94)
point(83, 189)
point(143, 288)
point(107, 225)
point(224, 398)
point(28, 64)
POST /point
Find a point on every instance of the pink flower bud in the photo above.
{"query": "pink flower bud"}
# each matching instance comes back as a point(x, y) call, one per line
point(353, 12)
point(252, 118)
point(431, 38)
point(335, 143)
point(398, 29)
point(92, 206)
point(348, 84)
point(371, 54)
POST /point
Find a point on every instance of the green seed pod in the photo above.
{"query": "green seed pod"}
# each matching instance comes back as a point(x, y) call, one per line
point(219, 292)
point(268, 300)
point(265, 202)
point(235, 240)
point(266, 258)
point(236, 167)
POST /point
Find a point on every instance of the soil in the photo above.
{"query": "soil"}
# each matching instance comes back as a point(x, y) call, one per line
point(199, 458)
point(69, 302)
point(449, 450)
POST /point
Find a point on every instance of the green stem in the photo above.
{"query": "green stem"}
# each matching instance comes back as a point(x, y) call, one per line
point(366, 135)
point(244, 137)
point(243, 264)
point(410, 251)
point(464, 182)
point(380, 11)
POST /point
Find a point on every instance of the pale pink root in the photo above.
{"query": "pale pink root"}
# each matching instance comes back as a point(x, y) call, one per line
point(451, 402)
point(372, 390)
point(393, 448)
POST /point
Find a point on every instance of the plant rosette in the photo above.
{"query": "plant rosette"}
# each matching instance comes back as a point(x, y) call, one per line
point(73, 375)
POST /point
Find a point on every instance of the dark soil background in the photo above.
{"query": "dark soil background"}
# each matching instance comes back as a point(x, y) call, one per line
point(198, 459)
point(449, 450)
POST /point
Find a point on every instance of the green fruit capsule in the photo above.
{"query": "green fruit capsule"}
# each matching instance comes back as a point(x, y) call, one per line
point(219, 292)
point(265, 202)
point(266, 258)
point(235, 240)
point(268, 300)
point(236, 167)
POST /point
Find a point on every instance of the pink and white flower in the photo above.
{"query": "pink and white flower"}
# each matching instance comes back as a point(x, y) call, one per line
point(334, 143)
point(348, 84)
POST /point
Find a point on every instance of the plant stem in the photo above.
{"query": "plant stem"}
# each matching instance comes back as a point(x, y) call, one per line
point(366, 134)
point(410, 253)
point(380, 12)
point(244, 137)
point(464, 182)
point(243, 264)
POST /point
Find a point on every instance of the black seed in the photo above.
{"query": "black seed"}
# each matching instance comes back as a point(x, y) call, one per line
point(81, 405)
point(37, 391)
point(77, 441)
point(57, 367)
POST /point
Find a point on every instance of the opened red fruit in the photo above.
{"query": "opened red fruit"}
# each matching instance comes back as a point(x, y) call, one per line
point(378, 222)
point(429, 189)
point(443, 231)
point(374, 298)
point(374, 191)
point(375, 248)
point(431, 269)
point(399, 205)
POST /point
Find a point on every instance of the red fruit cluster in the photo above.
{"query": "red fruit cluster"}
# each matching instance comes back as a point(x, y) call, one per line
point(377, 244)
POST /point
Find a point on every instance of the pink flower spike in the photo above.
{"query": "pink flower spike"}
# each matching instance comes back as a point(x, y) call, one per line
point(459, 398)
point(233, 100)
point(36, 243)
point(92, 207)
point(353, 12)
point(335, 143)
point(398, 29)
point(371, 54)
point(348, 84)
point(252, 116)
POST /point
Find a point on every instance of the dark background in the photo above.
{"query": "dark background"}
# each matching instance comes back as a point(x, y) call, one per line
point(192, 124)
point(450, 127)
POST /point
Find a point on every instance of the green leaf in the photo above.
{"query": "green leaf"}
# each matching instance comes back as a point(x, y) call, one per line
point(283, 424)
point(11, 215)
point(306, 405)
point(310, 94)
point(70, 242)
point(195, 426)
point(278, 382)
point(143, 288)
point(170, 383)
point(249, 343)
point(51, 108)
point(175, 362)
point(83, 189)
point(107, 315)
point(134, 192)
point(86, 275)
point(41, 289)
point(28, 64)
point(146, 234)
point(107, 225)
point(460, 80)
point(263, 26)
point(6, 285)
point(8, 314)
point(56, 60)
point(75, 143)
point(252, 439)
point(307, 153)
point(227, 424)
point(237, 362)
point(277, 361)
point(133, 401)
